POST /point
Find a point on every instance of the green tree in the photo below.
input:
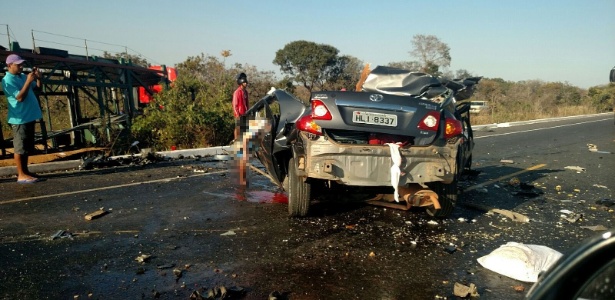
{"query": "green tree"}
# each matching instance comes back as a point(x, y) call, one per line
point(308, 63)
point(406, 65)
point(432, 54)
point(134, 59)
point(346, 73)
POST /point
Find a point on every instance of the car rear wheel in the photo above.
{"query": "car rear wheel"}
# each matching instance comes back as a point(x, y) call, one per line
point(447, 196)
point(298, 192)
point(447, 193)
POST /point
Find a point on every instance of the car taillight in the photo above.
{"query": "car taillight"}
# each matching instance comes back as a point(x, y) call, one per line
point(320, 110)
point(430, 121)
point(307, 124)
point(453, 128)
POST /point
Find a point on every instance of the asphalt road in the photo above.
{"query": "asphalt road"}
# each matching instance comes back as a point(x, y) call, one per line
point(202, 231)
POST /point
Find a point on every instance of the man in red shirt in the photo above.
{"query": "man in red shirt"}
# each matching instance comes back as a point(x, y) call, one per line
point(240, 102)
point(240, 106)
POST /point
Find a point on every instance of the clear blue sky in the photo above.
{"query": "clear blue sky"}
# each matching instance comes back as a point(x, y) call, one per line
point(561, 41)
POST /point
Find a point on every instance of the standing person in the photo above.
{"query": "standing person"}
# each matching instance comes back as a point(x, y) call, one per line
point(240, 106)
point(23, 111)
point(240, 102)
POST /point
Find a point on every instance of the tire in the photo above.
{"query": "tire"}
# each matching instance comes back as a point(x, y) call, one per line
point(298, 192)
point(447, 193)
point(447, 196)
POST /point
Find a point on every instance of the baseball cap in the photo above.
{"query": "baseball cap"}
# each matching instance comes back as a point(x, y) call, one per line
point(14, 59)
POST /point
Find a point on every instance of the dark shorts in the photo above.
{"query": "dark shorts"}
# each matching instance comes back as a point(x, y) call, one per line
point(242, 123)
point(23, 138)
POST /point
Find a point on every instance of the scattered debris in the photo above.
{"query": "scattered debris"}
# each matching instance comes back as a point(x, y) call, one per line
point(558, 188)
point(97, 214)
point(432, 222)
point(450, 248)
point(483, 190)
point(143, 258)
point(103, 161)
point(575, 168)
point(61, 234)
point(463, 291)
point(196, 296)
point(595, 228)
point(594, 148)
point(519, 288)
point(166, 266)
point(507, 161)
point(275, 295)
point(228, 233)
point(372, 254)
point(570, 216)
point(600, 186)
point(606, 202)
point(178, 274)
point(517, 217)
point(220, 292)
point(514, 182)
point(200, 169)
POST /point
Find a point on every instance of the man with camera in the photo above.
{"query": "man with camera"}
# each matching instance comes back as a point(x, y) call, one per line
point(23, 111)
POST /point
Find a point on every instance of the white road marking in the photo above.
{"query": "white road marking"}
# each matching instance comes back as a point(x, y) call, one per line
point(106, 188)
point(538, 129)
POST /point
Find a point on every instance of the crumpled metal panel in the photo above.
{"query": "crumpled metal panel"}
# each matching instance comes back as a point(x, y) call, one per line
point(394, 81)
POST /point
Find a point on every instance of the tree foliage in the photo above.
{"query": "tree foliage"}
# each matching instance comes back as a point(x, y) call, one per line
point(197, 110)
point(308, 63)
point(536, 99)
point(432, 54)
point(134, 59)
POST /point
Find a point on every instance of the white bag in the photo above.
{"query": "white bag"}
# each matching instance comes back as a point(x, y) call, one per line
point(519, 261)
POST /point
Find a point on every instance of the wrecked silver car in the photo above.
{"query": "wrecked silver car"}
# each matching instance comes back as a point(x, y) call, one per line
point(403, 132)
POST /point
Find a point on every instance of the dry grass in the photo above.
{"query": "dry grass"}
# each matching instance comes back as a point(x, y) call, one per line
point(489, 117)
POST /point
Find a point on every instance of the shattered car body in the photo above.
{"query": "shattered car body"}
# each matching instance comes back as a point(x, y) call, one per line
point(403, 130)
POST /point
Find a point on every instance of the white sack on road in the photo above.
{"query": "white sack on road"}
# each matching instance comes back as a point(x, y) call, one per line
point(519, 261)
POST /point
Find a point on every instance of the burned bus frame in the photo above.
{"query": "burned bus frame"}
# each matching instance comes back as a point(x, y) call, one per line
point(110, 83)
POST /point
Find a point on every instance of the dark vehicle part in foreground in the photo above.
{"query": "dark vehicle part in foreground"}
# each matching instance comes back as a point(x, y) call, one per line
point(586, 272)
point(404, 133)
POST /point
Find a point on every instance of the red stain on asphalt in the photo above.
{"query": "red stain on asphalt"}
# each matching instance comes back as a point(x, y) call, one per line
point(261, 197)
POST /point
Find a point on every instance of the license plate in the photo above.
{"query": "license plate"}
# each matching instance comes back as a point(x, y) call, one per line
point(371, 118)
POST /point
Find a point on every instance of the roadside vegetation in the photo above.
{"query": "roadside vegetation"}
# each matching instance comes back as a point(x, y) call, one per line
point(196, 111)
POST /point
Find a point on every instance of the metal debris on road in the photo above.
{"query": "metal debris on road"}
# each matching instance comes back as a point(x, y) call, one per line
point(606, 202)
point(517, 217)
point(595, 228)
point(61, 234)
point(575, 168)
point(143, 258)
point(572, 217)
point(97, 214)
point(507, 161)
point(450, 248)
point(463, 291)
point(166, 266)
point(594, 148)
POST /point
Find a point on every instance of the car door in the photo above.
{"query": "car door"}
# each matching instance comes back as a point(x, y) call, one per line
point(282, 110)
point(264, 152)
